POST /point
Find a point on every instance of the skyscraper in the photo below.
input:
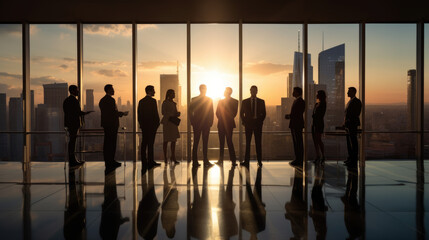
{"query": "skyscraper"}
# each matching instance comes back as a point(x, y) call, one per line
point(3, 127)
point(411, 99)
point(298, 70)
point(54, 94)
point(15, 124)
point(89, 100)
point(331, 74)
point(170, 81)
point(289, 85)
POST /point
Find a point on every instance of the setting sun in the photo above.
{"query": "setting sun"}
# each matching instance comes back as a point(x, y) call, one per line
point(216, 83)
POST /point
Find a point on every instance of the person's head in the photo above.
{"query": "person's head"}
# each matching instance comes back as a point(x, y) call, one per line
point(109, 89)
point(150, 90)
point(170, 94)
point(74, 90)
point(351, 93)
point(253, 91)
point(203, 89)
point(228, 92)
point(297, 92)
point(321, 95)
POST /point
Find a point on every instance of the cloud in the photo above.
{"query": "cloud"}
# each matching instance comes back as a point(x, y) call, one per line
point(10, 76)
point(45, 80)
point(156, 64)
point(63, 66)
point(266, 68)
point(69, 59)
point(12, 29)
point(108, 29)
point(146, 26)
point(11, 59)
point(10, 90)
point(111, 73)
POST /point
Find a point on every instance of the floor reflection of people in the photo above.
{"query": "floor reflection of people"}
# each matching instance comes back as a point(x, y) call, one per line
point(170, 205)
point(228, 225)
point(200, 224)
point(75, 213)
point(318, 208)
point(111, 216)
point(148, 211)
point(296, 209)
point(252, 209)
point(352, 212)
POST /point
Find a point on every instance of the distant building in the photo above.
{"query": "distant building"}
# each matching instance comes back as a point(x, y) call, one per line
point(89, 100)
point(331, 74)
point(298, 62)
point(3, 127)
point(411, 99)
point(16, 124)
point(289, 85)
point(286, 105)
point(54, 94)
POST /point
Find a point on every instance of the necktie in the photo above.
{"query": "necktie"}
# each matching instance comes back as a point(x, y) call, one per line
point(254, 107)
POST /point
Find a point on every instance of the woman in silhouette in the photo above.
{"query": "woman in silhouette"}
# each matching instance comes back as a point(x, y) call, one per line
point(170, 129)
point(318, 126)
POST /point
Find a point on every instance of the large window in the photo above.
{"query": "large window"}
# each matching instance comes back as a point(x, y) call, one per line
point(162, 63)
point(53, 69)
point(426, 93)
point(272, 60)
point(11, 110)
point(391, 93)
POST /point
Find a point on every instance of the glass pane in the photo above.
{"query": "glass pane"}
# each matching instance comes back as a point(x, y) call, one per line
point(390, 87)
point(214, 57)
point(426, 94)
point(272, 60)
point(335, 50)
point(53, 69)
point(162, 64)
point(11, 145)
point(107, 54)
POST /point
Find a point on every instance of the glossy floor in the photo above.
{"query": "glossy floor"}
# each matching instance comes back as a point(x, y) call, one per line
point(386, 200)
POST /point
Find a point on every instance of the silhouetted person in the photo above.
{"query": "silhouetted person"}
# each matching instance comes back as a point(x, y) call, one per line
point(170, 130)
point(73, 118)
point(252, 116)
point(351, 123)
point(111, 216)
point(226, 111)
point(318, 208)
point(149, 122)
point(296, 125)
point(148, 213)
point(75, 214)
point(228, 225)
point(200, 221)
point(201, 116)
point(296, 208)
point(252, 209)
point(318, 125)
point(170, 205)
point(110, 123)
point(353, 219)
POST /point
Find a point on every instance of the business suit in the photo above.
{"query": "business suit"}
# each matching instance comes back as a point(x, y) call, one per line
point(351, 123)
point(296, 125)
point(226, 111)
point(110, 123)
point(149, 122)
point(73, 121)
point(253, 122)
point(201, 116)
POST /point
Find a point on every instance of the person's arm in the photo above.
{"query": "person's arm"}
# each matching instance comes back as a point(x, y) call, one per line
point(140, 113)
point(234, 108)
point(211, 113)
point(156, 117)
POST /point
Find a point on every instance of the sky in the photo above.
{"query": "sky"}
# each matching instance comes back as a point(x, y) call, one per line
point(267, 57)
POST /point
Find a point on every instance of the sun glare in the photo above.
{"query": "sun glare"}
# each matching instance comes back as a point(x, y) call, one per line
point(216, 83)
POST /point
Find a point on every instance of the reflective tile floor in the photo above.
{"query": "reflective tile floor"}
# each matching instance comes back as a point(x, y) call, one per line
point(386, 200)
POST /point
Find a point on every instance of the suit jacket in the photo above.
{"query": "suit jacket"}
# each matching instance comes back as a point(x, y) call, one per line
point(226, 112)
point(201, 112)
point(352, 113)
point(148, 116)
point(72, 113)
point(109, 112)
point(296, 114)
point(247, 115)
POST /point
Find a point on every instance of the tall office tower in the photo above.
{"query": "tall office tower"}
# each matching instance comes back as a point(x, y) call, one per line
point(411, 99)
point(89, 100)
point(289, 85)
point(54, 94)
point(298, 70)
point(3, 127)
point(286, 105)
point(170, 81)
point(15, 124)
point(119, 102)
point(331, 74)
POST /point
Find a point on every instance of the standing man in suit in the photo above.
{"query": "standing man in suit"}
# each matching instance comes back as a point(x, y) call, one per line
point(201, 116)
point(252, 116)
point(149, 122)
point(296, 125)
point(73, 121)
point(226, 111)
point(110, 123)
point(351, 123)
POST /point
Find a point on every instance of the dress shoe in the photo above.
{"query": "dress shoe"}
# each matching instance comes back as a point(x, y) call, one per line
point(295, 163)
point(259, 164)
point(75, 163)
point(234, 163)
point(196, 164)
point(173, 160)
point(244, 164)
point(219, 163)
point(208, 164)
point(115, 164)
point(154, 165)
